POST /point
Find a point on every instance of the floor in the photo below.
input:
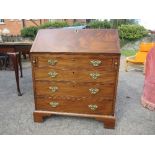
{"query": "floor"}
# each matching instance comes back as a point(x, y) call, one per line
point(16, 112)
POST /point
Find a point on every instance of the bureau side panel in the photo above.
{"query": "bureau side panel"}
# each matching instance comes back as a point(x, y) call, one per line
point(33, 58)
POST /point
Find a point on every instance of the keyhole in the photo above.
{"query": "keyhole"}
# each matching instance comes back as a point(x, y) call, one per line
point(73, 72)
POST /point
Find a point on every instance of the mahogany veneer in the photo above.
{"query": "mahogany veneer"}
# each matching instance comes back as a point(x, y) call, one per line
point(75, 73)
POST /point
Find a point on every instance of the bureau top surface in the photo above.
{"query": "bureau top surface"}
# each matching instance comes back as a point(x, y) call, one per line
point(76, 41)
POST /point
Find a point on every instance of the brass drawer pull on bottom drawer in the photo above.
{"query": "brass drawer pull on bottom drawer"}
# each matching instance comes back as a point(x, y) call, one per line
point(53, 89)
point(94, 90)
point(52, 74)
point(93, 107)
point(95, 63)
point(54, 104)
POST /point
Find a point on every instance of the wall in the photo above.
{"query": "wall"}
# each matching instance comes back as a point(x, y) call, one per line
point(15, 25)
point(72, 21)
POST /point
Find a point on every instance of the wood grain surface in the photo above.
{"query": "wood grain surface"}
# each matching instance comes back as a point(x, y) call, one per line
point(75, 73)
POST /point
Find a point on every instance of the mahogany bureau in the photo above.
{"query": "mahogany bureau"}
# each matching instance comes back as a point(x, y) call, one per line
point(75, 73)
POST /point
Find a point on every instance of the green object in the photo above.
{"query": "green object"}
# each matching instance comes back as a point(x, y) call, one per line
point(115, 23)
point(100, 24)
point(29, 32)
point(128, 53)
point(56, 24)
point(78, 24)
point(132, 32)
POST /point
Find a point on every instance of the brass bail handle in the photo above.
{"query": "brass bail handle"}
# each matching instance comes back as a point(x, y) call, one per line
point(54, 104)
point(53, 74)
point(94, 90)
point(53, 89)
point(52, 62)
point(93, 107)
point(94, 75)
point(96, 63)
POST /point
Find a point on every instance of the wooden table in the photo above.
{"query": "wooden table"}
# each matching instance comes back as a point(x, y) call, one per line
point(14, 50)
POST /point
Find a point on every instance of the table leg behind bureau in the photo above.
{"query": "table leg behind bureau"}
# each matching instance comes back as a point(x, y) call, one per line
point(15, 61)
point(20, 65)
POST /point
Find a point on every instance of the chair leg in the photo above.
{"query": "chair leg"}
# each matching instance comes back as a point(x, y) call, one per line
point(15, 59)
point(1, 64)
point(20, 64)
point(144, 69)
point(126, 66)
point(5, 62)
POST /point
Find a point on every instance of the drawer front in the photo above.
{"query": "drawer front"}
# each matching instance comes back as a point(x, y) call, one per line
point(74, 75)
point(81, 107)
point(100, 62)
point(77, 89)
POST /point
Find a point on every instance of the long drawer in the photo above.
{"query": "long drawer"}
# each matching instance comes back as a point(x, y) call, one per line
point(74, 89)
point(100, 62)
point(81, 107)
point(74, 75)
